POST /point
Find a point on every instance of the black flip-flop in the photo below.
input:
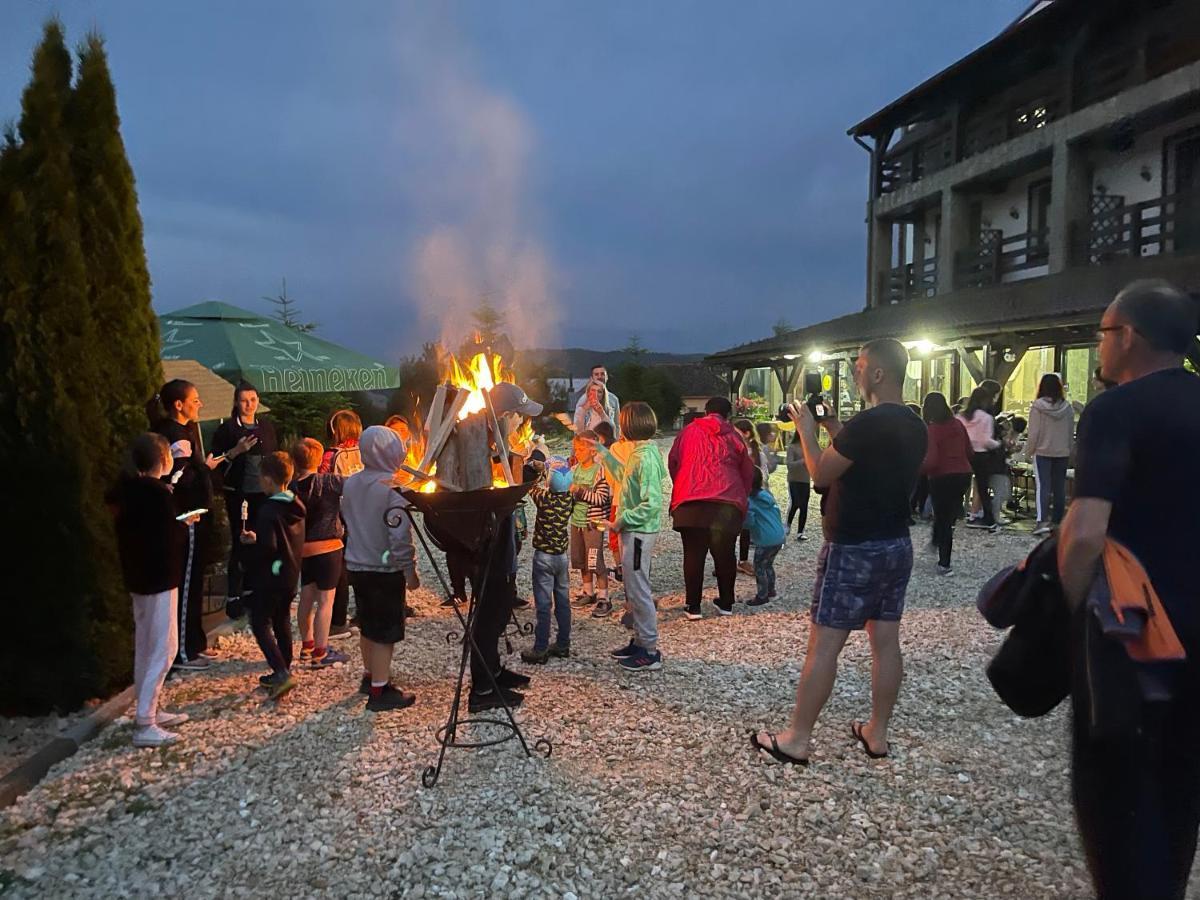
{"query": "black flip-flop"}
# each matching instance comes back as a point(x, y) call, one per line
point(774, 752)
point(857, 732)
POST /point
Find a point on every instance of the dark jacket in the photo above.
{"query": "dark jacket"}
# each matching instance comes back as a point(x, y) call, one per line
point(322, 498)
point(274, 557)
point(150, 540)
point(192, 488)
point(1051, 652)
point(225, 439)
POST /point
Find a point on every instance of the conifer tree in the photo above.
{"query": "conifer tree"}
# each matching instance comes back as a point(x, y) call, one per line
point(70, 648)
point(110, 228)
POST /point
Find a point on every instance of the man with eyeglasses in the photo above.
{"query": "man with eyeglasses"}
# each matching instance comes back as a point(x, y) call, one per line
point(1137, 799)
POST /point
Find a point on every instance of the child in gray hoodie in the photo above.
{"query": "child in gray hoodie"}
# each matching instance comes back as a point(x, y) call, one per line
point(381, 561)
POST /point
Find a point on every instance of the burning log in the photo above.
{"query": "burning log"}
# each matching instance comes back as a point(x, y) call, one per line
point(501, 438)
point(466, 457)
point(437, 439)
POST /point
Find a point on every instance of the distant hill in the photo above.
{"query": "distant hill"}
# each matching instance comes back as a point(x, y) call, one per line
point(577, 361)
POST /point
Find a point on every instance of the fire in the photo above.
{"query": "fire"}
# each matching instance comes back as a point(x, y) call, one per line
point(483, 372)
point(477, 375)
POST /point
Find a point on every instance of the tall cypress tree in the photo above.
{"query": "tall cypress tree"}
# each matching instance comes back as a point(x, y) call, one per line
point(110, 228)
point(69, 581)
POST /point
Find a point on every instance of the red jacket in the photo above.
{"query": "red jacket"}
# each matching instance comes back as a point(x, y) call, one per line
point(708, 461)
point(949, 451)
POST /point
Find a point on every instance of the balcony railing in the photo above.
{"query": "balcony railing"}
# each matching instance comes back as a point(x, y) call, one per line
point(911, 280)
point(998, 258)
point(1162, 225)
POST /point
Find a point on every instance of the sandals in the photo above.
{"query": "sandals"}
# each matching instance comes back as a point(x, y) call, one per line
point(774, 752)
point(856, 731)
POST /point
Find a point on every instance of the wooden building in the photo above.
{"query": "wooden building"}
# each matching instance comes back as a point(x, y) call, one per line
point(1011, 196)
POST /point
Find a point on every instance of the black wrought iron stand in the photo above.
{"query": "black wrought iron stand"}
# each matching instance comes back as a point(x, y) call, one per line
point(448, 735)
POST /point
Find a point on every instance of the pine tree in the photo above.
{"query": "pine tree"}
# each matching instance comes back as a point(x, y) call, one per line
point(288, 313)
point(110, 228)
point(69, 579)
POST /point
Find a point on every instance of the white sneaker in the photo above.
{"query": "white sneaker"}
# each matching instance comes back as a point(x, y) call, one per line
point(724, 612)
point(1042, 528)
point(153, 736)
point(170, 719)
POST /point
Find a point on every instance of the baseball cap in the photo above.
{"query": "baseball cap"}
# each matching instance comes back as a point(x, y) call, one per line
point(508, 397)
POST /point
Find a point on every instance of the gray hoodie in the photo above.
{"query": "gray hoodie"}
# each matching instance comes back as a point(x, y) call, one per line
point(367, 498)
point(1051, 428)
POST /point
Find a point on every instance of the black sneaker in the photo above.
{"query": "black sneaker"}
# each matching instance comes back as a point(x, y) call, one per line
point(758, 601)
point(390, 698)
point(265, 680)
point(559, 651)
point(535, 657)
point(520, 603)
point(629, 650)
point(453, 601)
point(602, 610)
point(364, 686)
point(510, 679)
point(482, 700)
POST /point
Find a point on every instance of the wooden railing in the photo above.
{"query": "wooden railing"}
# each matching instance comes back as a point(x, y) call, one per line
point(911, 280)
point(997, 256)
point(1162, 225)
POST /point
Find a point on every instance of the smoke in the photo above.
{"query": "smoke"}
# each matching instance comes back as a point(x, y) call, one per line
point(477, 224)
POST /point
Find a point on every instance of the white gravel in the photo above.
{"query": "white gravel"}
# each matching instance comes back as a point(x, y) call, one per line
point(652, 790)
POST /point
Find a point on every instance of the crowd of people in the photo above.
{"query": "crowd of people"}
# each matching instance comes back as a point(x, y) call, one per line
point(313, 518)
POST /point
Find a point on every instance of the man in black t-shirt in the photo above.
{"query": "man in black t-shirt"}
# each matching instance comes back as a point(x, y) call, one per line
point(869, 472)
point(1137, 799)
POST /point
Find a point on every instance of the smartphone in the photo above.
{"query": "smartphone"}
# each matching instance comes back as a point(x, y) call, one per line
point(191, 512)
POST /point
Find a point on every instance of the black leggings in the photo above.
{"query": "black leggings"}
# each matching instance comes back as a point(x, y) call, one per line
point(983, 464)
point(798, 493)
point(271, 622)
point(697, 544)
point(947, 493)
point(744, 546)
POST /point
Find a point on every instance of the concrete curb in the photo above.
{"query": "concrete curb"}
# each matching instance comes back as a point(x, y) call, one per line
point(34, 768)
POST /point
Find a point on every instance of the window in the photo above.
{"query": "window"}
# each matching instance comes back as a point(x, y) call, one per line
point(1037, 245)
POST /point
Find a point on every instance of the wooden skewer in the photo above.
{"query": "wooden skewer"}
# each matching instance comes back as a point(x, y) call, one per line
point(425, 476)
point(501, 438)
point(439, 438)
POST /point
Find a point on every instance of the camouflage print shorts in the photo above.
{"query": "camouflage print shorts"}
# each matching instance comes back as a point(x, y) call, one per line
point(860, 582)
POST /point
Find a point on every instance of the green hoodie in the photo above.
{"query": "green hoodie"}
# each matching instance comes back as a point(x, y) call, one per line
point(642, 478)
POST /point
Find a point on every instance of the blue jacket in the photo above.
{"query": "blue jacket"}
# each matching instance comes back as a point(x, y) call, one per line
point(764, 521)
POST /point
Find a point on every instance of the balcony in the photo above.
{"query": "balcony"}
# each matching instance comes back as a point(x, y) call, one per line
point(996, 258)
point(1159, 226)
point(911, 281)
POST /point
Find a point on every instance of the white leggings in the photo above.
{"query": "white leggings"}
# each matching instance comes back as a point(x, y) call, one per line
point(156, 640)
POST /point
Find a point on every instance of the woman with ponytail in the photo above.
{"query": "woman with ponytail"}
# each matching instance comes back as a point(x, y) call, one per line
point(242, 442)
point(174, 413)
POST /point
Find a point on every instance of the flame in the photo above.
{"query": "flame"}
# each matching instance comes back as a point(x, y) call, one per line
point(483, 372)
point(480, 373)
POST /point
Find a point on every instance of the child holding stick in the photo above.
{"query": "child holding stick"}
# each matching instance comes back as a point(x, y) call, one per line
point(590, 512)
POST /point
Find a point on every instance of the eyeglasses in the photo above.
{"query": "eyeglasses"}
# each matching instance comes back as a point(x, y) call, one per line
point(1103, 329)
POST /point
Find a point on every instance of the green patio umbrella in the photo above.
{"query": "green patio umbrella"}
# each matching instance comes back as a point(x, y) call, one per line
point(236, 343)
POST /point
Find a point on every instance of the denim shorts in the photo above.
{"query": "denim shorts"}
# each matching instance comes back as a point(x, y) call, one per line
point(857, 583)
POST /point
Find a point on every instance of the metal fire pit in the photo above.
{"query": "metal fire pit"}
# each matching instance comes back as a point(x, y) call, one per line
point(466, 522)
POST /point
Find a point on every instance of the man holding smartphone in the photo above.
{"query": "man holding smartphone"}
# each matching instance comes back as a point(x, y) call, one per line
point(868, 471)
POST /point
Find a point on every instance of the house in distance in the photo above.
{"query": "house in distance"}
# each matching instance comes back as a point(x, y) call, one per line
point(1011, 196)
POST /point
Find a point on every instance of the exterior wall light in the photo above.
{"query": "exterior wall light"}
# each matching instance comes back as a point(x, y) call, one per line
point(816, 357)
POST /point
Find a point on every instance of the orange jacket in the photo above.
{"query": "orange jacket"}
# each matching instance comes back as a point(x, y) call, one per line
point(1131, 590)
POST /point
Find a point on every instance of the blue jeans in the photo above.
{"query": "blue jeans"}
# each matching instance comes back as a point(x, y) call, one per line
point(764, 570)
point(551, 585)
point(1051, 475)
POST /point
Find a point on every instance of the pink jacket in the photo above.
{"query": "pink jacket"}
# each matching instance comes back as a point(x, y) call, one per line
point(708, 461)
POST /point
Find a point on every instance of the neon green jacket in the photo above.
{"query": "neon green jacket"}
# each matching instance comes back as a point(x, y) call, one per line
point(642, 477)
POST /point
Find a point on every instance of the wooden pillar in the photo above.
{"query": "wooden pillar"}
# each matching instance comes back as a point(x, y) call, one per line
point(954, 236)
point(1070, 196)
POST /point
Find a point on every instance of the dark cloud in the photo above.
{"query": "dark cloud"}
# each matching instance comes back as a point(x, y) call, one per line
point(675, 169)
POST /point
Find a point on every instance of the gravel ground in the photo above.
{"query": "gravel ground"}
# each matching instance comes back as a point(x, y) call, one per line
point(651, 790)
